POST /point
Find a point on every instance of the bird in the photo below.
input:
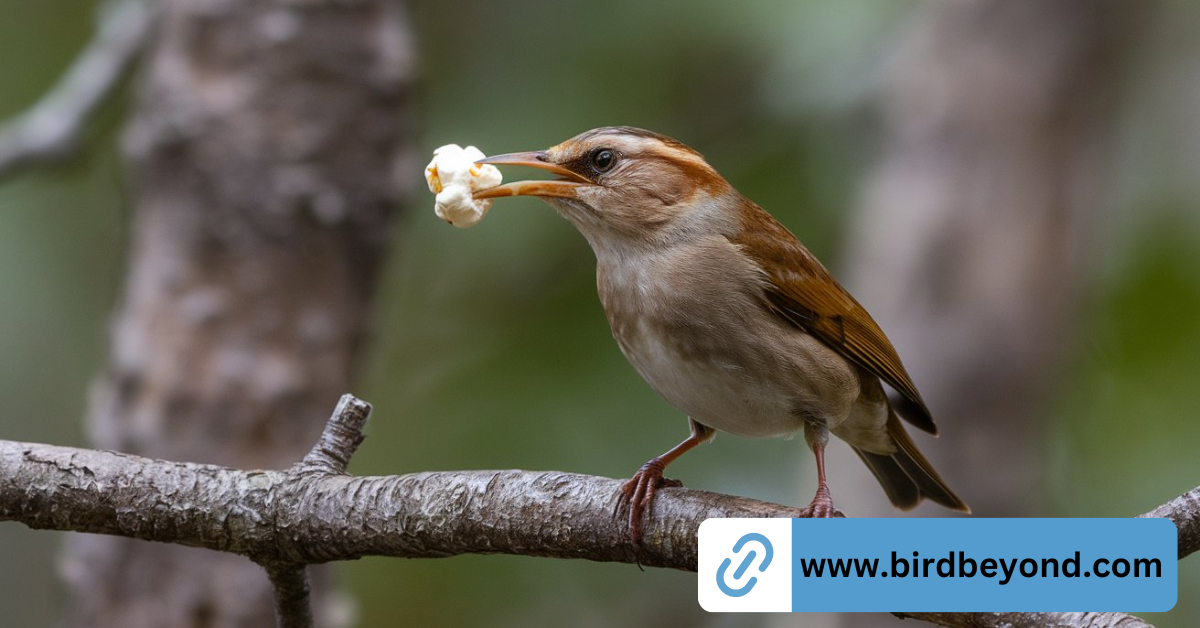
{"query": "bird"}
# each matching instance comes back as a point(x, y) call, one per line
point(728, 316)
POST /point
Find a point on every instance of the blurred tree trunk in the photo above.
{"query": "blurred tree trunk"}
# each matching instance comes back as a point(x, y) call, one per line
point(973, 240)
point(264, 144)
point(975, 236)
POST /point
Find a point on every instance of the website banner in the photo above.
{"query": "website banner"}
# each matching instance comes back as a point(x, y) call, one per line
point(965, 564)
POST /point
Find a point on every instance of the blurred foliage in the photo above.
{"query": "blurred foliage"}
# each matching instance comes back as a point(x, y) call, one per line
point(491, 348)
point(61, 237)
point(1126, 430)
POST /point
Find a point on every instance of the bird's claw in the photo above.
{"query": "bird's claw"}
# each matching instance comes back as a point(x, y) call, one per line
point(821, 507)
point(639, 492)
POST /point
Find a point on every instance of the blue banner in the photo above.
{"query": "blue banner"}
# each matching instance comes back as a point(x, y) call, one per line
point(964, 564)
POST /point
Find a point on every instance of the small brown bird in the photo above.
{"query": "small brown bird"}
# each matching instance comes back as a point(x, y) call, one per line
point(727, 315)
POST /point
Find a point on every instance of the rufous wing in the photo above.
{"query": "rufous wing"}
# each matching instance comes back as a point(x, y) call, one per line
point(801, 291)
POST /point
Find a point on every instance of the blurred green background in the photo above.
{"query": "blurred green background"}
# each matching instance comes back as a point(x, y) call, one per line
point(491, 349)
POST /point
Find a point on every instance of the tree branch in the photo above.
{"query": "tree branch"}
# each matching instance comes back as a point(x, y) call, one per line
point(52, 128)
point(341, 437)
point(1185, 512)
point(315, 513)
point(292, 607)
point(1030, 620)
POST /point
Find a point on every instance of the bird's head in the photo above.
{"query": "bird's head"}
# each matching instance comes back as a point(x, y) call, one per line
point(625, 187)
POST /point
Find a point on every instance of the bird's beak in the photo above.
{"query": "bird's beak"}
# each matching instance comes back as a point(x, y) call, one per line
point(562, 188)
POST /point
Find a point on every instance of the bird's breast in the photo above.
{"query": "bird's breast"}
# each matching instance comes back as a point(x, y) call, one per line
point(690, 323)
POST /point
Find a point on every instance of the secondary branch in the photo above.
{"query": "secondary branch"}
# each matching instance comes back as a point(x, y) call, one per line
point(52, 128)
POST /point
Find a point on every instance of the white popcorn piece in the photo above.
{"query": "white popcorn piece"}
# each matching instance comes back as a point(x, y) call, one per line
point(453, 176)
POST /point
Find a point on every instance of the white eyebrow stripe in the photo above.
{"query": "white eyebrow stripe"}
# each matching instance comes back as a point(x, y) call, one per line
point(688, 156)
point(632, 143)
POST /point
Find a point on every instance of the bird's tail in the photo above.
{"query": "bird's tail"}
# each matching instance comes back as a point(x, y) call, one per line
point(906, 476)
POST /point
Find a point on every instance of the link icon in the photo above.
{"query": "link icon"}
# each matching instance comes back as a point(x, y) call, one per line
point(737, 575)
point(745, 565)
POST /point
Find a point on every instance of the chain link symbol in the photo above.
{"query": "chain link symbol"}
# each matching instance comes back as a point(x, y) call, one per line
point(737, 547)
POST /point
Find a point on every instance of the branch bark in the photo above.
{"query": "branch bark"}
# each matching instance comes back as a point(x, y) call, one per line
point(315, 513)
point(1030, 620)
point(1185, 512)
point(293, 609)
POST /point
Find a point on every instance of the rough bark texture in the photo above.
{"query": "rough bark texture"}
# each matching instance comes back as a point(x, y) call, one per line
point(263, 144)
point(310, 515)
point(1030, 620)
point(1185, 512)
point(314, 513)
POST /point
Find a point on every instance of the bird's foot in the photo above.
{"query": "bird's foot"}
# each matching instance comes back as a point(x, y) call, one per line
point(821, 506)
point(639, 493)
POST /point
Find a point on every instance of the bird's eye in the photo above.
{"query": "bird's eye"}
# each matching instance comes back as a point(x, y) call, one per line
point(604, 159)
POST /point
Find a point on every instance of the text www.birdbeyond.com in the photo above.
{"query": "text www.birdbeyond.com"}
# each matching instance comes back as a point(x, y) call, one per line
point(947, 565)
point(963, 566)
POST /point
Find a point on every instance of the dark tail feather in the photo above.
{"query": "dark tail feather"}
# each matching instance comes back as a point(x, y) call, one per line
point(900, 489)
point(906, 476)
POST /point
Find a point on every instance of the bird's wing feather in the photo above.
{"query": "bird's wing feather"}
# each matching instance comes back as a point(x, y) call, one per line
point(801, 291)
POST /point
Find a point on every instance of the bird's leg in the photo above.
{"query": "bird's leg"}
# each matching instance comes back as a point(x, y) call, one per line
point(821, 506)
point(640, 489)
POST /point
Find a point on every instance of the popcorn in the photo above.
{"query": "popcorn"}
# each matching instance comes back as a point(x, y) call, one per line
point(453, 176)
